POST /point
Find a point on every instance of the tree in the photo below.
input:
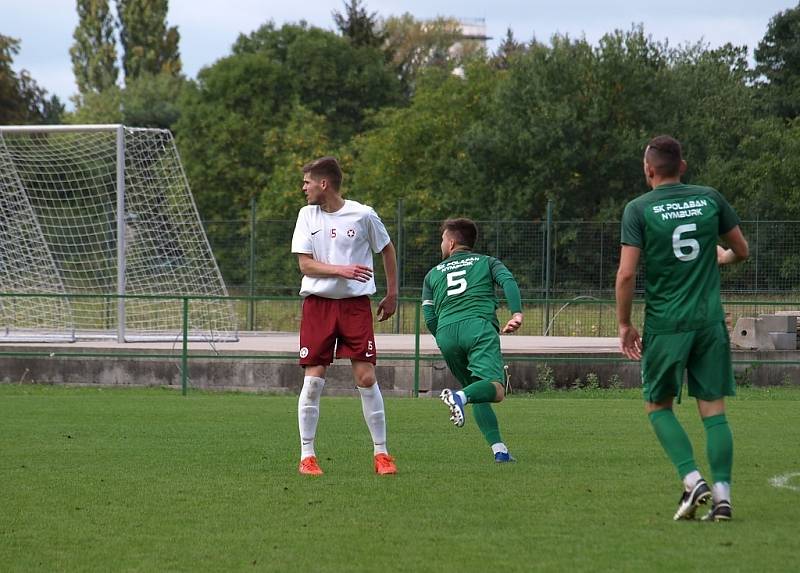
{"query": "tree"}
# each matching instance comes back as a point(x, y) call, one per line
point(150, 47)
point(22, 100)
point(360, 27)
point(331, 76)
point(413, 45)
point(94, 53)
point(507, 51)
point(778, 63)
point(419, 153)
point(98, 107)
point(147, 101)
point(570, 123)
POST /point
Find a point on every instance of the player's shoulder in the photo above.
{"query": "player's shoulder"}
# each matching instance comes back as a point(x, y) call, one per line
point(354, 206)
point(636, 207)
point(700, 189)
point(640, 200)
point(308, 211)
point(708, 191)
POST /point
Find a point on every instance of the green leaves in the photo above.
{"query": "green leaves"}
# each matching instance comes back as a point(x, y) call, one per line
point(94, 53)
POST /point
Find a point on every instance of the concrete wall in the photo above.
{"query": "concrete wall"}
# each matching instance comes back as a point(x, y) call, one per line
point(396, 377)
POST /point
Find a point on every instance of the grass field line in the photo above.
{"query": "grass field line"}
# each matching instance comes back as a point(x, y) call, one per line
point(784, 481)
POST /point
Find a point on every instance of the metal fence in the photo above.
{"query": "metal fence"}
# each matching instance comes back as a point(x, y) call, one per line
point(556, 259)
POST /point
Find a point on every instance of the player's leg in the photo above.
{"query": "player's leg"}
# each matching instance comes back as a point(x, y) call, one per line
point(472, 351)
point(447, 338)
point(486, 419)
point(317, 338)
point(710, 380)
point(485, 363)
point(357, 342)
point(663, 362)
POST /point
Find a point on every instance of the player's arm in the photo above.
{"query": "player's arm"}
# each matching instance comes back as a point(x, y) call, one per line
point(313, 268)
point(428, 308)
point(506, 280)
point(630, 343)
point(388, 306)
point(514, 299)
point(738, 249)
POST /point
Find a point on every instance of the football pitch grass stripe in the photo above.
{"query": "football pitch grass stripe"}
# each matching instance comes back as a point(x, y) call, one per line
point(147, 480)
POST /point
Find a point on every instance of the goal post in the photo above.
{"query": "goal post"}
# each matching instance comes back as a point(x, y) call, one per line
point(103, 210)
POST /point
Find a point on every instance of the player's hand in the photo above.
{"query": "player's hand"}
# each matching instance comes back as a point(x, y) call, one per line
point(513, 324)
point(358, 273)
point(630, 343)
point(387, 307)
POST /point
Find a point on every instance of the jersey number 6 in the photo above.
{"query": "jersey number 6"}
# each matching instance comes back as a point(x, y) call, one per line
point(456, 283)
point(679, 244)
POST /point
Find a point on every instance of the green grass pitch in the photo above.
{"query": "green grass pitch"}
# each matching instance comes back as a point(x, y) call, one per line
point(147, 480)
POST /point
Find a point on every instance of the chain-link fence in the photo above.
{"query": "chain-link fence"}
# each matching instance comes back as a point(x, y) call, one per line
point(581, 261)
point(565, 270)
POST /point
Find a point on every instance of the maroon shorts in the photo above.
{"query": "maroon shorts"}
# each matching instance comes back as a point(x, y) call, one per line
point(344, 324)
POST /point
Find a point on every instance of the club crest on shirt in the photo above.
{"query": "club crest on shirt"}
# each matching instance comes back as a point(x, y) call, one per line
point(351, 233)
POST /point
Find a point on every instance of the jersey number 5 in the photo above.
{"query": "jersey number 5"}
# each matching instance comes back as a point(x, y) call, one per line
point(679, 244)
point(456, 283)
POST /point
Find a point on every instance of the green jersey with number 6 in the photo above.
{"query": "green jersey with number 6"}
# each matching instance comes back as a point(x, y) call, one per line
point(462, 286)
point(677, 226)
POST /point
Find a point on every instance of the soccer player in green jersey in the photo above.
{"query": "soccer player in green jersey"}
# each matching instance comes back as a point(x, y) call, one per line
point(459, 305)
point(676, 228)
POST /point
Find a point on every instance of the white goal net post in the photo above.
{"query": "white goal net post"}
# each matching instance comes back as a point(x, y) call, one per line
point(91, 210)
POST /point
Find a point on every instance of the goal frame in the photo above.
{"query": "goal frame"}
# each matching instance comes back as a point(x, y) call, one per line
point(119, 130)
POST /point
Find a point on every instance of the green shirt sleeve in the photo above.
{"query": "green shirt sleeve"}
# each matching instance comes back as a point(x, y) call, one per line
point(728, 218)
point(503, 277)
point(632, 226)
point(428, 309)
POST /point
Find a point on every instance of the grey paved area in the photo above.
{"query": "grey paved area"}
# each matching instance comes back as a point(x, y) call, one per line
point(388, 344)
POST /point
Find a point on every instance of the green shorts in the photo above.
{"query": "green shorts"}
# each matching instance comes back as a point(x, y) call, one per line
point(471, 349)
point(705, 355)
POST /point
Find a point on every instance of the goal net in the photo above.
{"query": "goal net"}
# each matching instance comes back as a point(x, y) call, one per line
point(94, 221)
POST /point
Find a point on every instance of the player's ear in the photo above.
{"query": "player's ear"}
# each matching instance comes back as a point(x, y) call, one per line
point(683, 166)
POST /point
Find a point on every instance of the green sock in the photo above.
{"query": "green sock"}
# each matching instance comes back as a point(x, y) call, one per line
point(478, 392)
point(487, 422)
point(719, 447)
point(674, 440)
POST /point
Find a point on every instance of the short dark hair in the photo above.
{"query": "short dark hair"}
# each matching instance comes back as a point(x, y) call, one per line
point(325, 168)
point(462, 230)
point(664, 154)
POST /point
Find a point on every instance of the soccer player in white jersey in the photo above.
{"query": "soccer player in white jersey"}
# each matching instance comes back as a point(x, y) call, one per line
point(334, 240)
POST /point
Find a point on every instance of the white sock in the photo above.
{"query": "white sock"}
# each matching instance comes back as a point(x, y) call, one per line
point(721, 491)
point(499, 447)
point(691, 479)
point(462, 396)
point(374, 416)
point(308, 413)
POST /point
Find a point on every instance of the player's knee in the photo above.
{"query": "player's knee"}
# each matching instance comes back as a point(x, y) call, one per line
point(499, 392)
point(365, 380)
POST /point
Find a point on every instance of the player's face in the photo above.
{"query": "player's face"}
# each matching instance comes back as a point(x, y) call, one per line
point(647, 171)
point(313, 190)
point(447, 245)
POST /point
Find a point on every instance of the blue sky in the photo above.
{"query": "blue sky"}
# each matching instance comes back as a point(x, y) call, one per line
point(209, 27)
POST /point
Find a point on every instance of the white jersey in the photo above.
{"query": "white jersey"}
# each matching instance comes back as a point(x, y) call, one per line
point(349, 236)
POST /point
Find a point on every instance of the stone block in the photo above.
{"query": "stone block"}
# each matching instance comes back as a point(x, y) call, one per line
point(749, 333)
point(784, 340)
point(778, 323)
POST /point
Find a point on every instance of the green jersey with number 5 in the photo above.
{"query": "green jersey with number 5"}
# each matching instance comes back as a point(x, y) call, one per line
point(677, 226)
point(462, 286)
